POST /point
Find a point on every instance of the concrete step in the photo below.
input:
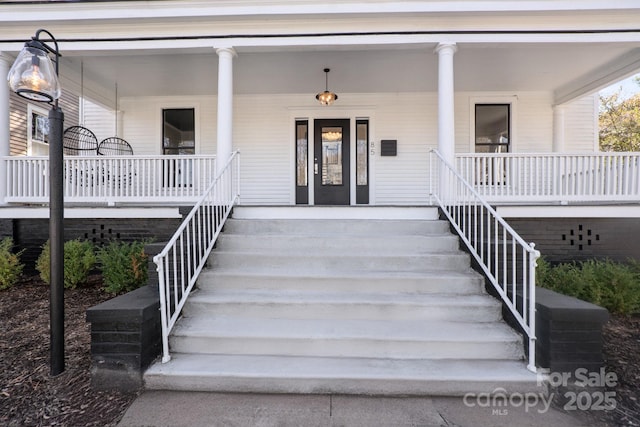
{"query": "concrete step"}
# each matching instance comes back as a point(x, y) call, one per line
point(324, 375)
point(323, 263)
point(344, 305)
point(395, 339)
point(434, 282)
point(372, 301)
point(347, 227)
point(338, 244)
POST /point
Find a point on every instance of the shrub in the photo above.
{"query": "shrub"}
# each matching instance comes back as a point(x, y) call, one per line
point(614, 286)
point(124, 266)
point(10, 265)
point(42, 263)
point(79, 260)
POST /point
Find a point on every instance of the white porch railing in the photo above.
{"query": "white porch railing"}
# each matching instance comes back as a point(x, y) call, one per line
point(550, 177)
point(182, 259)
point(112, 179)
point(507, 260)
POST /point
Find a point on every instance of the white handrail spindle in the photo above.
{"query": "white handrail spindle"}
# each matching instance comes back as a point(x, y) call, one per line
point(521, 299)
point(552, 177)
point(112, 179)
point(199, 230)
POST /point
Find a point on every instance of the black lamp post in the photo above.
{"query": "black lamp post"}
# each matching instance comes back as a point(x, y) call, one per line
point(33, 76)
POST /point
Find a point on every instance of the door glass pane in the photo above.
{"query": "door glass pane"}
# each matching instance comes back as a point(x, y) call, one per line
point(362, 146)
point(331, 156)
point(301, 153)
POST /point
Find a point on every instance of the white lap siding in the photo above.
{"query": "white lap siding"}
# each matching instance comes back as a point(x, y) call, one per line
point(263, 131)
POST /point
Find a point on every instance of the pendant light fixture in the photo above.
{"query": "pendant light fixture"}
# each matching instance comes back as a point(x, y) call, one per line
point(326, 97)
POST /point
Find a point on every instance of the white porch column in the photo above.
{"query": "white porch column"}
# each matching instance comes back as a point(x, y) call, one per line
point(446, 112)
point(5, 65)
point(225, 106)
point(558, 128)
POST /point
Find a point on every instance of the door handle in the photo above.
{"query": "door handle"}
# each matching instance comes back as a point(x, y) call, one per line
point(315, 166)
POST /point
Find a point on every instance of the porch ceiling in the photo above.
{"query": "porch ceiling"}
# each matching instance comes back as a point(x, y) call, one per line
point(559, 68)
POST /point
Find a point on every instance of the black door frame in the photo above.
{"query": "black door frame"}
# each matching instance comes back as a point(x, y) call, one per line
point(339, 194)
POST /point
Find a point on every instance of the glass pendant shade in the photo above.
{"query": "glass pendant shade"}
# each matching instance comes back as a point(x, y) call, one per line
point(326, 97)
point(33, 75)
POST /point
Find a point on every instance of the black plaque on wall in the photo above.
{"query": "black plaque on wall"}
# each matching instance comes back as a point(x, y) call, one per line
point(389, 147)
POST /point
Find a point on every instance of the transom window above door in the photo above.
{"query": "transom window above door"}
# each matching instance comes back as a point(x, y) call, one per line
point(492, 128)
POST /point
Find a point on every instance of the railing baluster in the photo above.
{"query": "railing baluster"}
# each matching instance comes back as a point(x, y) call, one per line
point(504, 260)
point(112, 179)
point(193, 240)
point(551, 177)
point(488, 240)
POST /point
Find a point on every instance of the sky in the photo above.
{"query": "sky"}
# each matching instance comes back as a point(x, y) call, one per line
point(629, 87)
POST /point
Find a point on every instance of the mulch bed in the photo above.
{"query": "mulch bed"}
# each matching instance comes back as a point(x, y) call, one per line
point(29, 396)
point(622, 356)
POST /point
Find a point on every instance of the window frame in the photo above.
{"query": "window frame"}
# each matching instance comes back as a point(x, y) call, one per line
point(301, 191)
point(511, 101)
point(34, 144)
point(362, 190)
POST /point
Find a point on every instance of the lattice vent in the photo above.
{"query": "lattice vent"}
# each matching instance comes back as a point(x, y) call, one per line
point(101, 235)
point(581, 237)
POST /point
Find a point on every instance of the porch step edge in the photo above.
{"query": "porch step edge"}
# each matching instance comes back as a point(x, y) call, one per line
point(233, 326)
point(324, 375)
point(443, 281)
point(336, 212)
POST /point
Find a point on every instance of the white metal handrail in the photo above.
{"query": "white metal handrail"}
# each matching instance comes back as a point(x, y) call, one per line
point(552, 177)
point(184, 256)
point(508, 262)
point(112, 179)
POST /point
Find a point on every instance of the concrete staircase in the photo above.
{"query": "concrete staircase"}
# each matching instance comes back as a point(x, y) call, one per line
point(358, 300)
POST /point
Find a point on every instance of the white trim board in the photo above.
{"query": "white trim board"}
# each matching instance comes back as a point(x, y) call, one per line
point(102, 213)
point(613, 211)
point(336, 212)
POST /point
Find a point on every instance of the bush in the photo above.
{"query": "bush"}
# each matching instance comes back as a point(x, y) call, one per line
point(614, 286)
point(124, 266)
point(42, 263)
point(10, 265)
point(79, 260)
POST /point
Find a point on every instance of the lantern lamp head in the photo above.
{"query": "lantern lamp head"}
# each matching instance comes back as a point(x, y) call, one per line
point(34, 75)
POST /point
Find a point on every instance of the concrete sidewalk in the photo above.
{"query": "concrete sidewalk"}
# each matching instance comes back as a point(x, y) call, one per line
point(170, 408)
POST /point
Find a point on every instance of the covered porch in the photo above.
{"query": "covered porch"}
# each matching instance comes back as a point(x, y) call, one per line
point(407, 129)
point(253, 90)
point(500, 178)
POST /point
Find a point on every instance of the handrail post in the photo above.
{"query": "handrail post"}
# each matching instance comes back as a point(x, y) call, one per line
point(431, 177)
point(164, 318)
point(237, 195)
point(533, 258)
